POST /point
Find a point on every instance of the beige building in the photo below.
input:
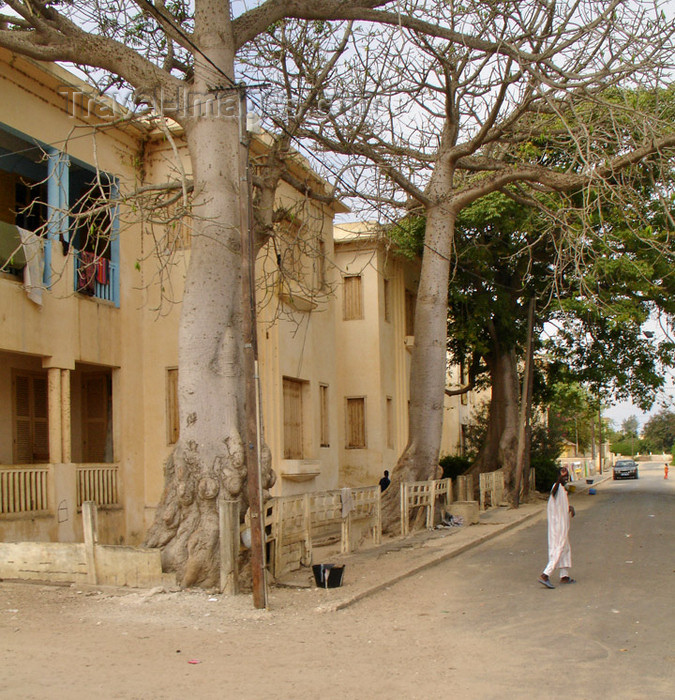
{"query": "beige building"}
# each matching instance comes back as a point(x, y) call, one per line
point(376, 334)
point(88, 324)
point(375, 319)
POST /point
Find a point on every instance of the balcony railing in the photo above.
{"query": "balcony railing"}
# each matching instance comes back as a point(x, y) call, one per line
point(97, 483)
point(24, 490)
point(98, 278)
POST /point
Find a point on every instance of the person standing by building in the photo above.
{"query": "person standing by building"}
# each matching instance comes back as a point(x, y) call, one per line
point(385, 481)
point(560, 514)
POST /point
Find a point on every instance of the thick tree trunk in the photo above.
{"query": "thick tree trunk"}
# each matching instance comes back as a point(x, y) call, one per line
point(500, 449)
point(208, 461)
point(419, 460)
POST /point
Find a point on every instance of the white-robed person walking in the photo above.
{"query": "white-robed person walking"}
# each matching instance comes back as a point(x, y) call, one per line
point(560, 514)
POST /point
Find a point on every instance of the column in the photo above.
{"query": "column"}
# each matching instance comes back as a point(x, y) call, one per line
point(54, 412)
point(65, 416)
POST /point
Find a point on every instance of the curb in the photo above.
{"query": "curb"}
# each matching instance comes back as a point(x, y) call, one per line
point(432, 561)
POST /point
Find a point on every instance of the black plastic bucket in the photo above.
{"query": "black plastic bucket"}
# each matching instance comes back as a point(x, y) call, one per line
point(328, 575)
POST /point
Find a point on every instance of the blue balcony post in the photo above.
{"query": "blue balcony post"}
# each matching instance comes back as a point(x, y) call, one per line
point(115, 244)
point(57, 205)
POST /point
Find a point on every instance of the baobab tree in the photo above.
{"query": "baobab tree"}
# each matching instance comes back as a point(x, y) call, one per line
point(187, 52)
point(451, 104)
point(462, 84)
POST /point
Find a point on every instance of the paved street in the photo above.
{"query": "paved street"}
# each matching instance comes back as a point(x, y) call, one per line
point(612, 634)
point(475, 626)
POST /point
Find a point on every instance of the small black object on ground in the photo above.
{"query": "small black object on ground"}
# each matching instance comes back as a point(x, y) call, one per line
point(328, 575)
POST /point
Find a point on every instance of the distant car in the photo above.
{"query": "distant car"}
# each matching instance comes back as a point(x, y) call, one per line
point(625, 469)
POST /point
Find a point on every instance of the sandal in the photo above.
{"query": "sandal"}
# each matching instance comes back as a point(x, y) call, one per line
point(545, 582)
point(567, 579)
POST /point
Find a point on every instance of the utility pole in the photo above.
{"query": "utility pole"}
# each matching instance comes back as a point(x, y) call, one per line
point(253, 409)
point(600, 433)
point(522, 483)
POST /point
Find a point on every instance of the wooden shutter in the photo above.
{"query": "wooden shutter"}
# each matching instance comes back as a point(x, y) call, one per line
point(95, 416)
point(31, 419)
point(293, 434)
point(173, 420)
point(390, 422)
point(409, 313)
point(40, 420)
point(323, 408)
point(356, 422)
point(23, 423)
point(352, 298)
point(387, 299)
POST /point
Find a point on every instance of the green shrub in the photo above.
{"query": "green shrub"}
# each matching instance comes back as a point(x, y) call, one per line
point(454, 465)
point(545, 472)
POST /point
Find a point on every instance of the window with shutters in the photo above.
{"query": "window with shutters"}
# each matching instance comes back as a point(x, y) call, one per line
point(390, 423)
point(356, 423)
point(172, 418)
point(352, 302)
point(293, 419)
point(410, 301)
point(97, 430)
point(323, 415)
point(292, 257)
point(30, 420)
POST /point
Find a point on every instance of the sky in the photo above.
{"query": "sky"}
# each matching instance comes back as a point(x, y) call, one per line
point(662, 329)
point(621, 410)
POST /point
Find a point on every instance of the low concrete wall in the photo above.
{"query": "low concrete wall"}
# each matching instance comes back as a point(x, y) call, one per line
point(87, 562)
point(128, 566)
point(467, 510)
point(44, 561)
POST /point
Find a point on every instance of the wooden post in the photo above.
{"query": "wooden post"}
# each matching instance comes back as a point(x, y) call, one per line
point(90, 539)
point(524, 413)
point(252, 441)
point(308, 526)
point(461, 487)
point(403, 510)
point(378, 517)
point(228, 512)
point(278, 519)
point(431, 512)
point(345, 543)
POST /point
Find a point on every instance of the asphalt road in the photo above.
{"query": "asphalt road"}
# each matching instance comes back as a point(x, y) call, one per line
point(609, 635)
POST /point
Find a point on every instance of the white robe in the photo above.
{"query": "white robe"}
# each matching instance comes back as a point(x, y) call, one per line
point(559, 552)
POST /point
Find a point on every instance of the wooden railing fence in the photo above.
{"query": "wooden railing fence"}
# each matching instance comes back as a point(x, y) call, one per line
point(491, 485)
point(423, 494)
point(293, 523)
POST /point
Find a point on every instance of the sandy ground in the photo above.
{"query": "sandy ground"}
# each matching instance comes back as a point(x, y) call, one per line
point(476, 626)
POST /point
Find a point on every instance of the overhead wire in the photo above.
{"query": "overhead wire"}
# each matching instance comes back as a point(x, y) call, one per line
point(280, 125)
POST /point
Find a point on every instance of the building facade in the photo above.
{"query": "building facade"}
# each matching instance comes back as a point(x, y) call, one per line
point(89, 311)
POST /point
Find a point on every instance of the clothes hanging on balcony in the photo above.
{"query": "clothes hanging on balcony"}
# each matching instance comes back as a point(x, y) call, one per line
point(102, 271)
point(86, 273)
point(33, 272)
